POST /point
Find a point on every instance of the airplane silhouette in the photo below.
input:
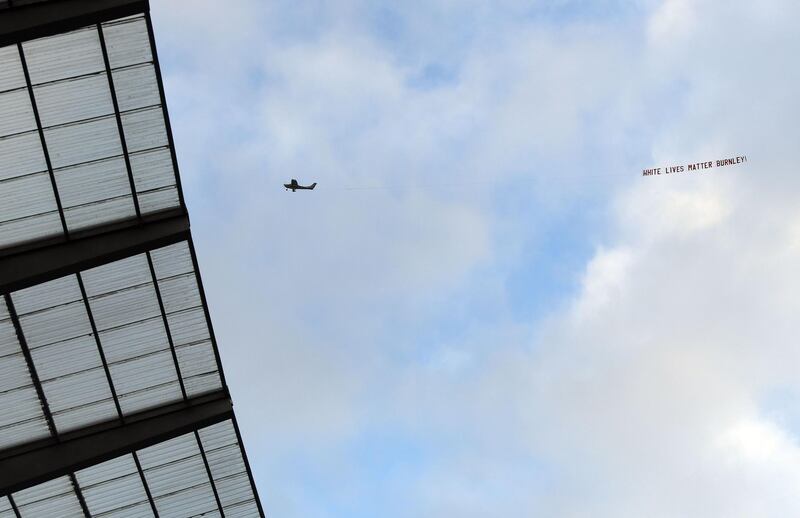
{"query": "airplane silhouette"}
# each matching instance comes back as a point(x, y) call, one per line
point(294, 186)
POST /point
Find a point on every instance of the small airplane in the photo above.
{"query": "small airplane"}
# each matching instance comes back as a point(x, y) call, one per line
point(294, 186)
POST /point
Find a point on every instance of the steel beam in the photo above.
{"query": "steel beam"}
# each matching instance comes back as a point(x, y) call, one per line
point(39, 265)
point(69, 455)
point(56, 16)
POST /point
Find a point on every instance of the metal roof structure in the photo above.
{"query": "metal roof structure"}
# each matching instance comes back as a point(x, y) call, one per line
point(113, 401)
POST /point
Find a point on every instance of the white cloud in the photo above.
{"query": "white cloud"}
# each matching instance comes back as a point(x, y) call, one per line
point(645, 396)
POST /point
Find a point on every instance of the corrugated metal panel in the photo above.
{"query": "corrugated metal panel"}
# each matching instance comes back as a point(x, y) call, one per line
point(127, 42)
point(132, 340)
point(17, 112)
point(188, 326)
point(53, 498)
point(179, 292)
point(11, 75)
point(73, 100)
point(92, 182)
point(5, 509)
point(228, 471)
point(96, 213)
point(196, 359)
point(47, 295)
point(234, 490)
point(175, 474)
point(116, 276)
point(27, 196)
point(64, 353)
point(34, 227)
point(169, 451)
point(20, 155)
point(65, 55)
point(152, 169)
point(150, 397)
point(136, 87)
point(125, 306)
point(114, 486)
point(83, 142)
point(172, 260)
point(55, 324)
point(146, 381)
point(127, 315)
point(162, 199)
point(195, 501)
point(243, 510)
point(21, 418)
point(202, 384)
point(144, 129)
point(65, 358)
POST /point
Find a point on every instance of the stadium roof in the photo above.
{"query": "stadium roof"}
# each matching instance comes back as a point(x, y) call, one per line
point(113, 401)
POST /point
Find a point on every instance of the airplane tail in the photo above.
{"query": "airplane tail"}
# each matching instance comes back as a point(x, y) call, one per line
point(313, 185)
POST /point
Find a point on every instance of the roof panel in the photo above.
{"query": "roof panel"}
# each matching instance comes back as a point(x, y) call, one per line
point(119, 275)
point(72, 93)
point(133, 340)
point(136, 87)
point(196, 359)
point(62, 56)
point(142, 510)
point(55, 324)
point(162, 199)
point(45, 499)
point(175, 474)
point(20, 155)
point(17, 112)
point(116, 492)
point(11, 75)
point(144, 129)
point(172, 260)
point(106, 211)
point(234, 490)
point(5, 509)
point(83, 142)
point(244, 510)
point(22, 403)
point(188, 326)
point(180, 292)
point(152, 169)
point(13, 372)
point(105, 471)
point(16, 426)
point(202, 384)
point(228, 470)
point(83, 388)
point(195, 501)
point(127, 42)
point(65, 358)
point(26, 196)
point(20, 231)
point(125, 306)
point(93, 182)
point(47, 295)
point(144, 372)
point(150, 397)
point(79, 417)
point(73, 100)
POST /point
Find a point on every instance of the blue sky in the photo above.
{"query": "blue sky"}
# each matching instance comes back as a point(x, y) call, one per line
point(484, 309)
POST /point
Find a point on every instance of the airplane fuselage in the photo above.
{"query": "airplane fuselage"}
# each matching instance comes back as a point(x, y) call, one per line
point(294, 186)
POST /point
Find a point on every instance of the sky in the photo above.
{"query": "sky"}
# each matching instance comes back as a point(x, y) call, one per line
point(484, 309)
